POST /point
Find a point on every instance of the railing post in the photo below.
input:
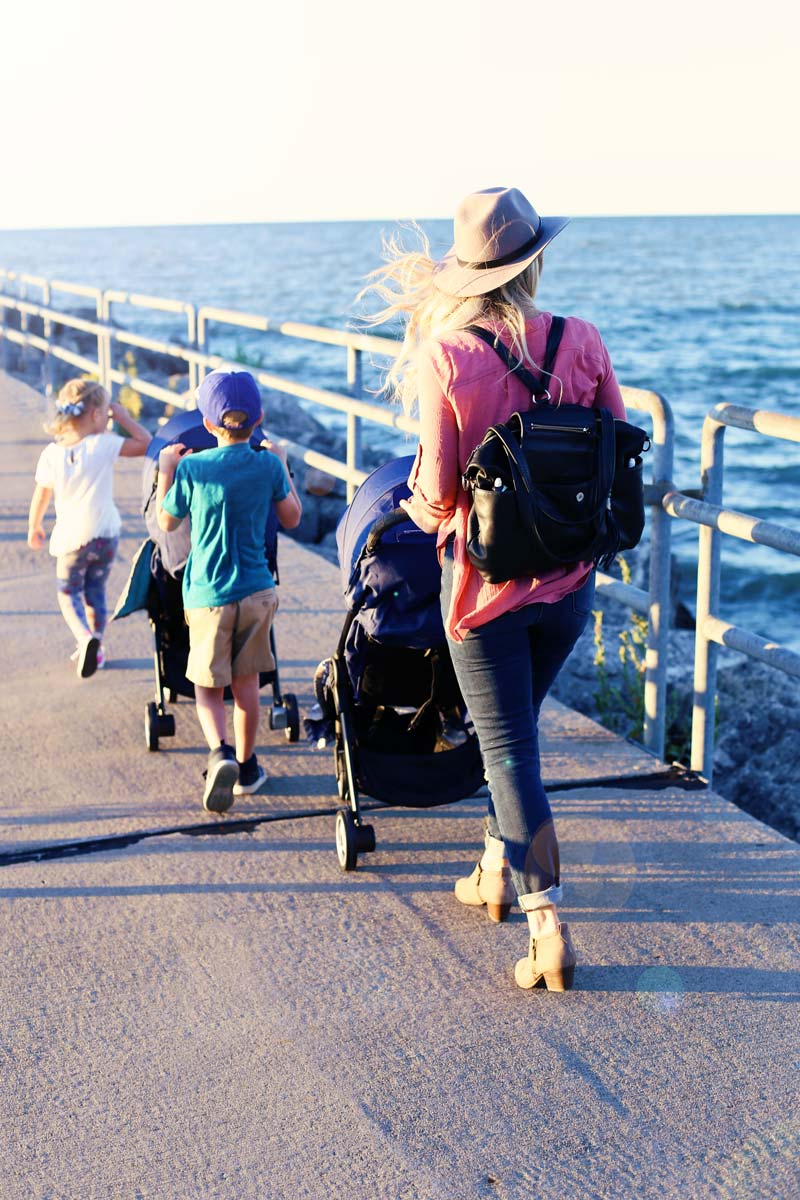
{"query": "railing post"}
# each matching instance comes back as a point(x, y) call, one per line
point(355, 387)
point(191, 337)
point(9, 361)
point(708, 577)
point(659, 586)
point(3, 322)
point(103, 309)
point(23, 326)
point(202, 347)
point(47, 333)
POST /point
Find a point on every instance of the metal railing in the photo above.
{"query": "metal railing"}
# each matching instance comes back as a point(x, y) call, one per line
point(664, 501)
point(198, 358)
point(715, 520)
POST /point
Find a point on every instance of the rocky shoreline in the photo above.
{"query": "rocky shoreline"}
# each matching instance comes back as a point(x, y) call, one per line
point(757, 757)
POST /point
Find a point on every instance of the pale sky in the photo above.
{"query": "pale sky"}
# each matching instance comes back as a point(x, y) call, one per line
point(185, 111)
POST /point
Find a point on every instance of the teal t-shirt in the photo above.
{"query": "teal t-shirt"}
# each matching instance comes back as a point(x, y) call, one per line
point(226, 493)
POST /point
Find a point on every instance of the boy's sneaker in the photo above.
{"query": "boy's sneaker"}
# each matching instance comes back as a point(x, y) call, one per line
point(87, 657)
point(221, 774)
point(251, 777)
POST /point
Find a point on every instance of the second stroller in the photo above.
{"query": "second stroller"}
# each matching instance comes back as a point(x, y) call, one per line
point(155, 585)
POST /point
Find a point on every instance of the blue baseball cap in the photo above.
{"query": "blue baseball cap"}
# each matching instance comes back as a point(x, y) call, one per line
point(222, 392)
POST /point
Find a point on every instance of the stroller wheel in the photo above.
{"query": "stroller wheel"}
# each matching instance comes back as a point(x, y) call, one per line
point(346, 840)
point(365, 839)
point(157, 725)
point(151, 726)
point(292, 730)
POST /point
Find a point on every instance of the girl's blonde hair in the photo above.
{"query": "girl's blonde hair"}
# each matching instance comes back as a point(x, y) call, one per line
point(406, 287)
point(76, 397)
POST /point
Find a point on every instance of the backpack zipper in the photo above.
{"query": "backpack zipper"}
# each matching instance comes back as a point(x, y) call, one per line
point(560, 428)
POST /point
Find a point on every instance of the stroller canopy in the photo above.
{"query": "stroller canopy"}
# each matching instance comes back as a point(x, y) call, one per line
point(187, 428)
point(379, 495)
point(394, 587)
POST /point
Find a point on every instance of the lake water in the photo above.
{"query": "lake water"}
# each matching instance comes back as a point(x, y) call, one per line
point(700, 309)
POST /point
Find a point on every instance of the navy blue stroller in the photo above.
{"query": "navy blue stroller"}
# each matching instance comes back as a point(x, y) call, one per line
point(155, 584)
point(401, 733)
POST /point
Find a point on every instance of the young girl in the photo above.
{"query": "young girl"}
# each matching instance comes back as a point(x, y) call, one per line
point(77, 468)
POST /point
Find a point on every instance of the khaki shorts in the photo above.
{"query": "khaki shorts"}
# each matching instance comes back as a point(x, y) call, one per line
point(231, 640)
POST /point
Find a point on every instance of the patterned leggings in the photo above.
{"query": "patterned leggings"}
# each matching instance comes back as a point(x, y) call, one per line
point(81, 577)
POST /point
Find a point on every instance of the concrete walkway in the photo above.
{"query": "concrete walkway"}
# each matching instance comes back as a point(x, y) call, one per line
point(232, 1017)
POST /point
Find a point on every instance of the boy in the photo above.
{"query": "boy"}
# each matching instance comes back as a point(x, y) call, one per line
point(228, 591)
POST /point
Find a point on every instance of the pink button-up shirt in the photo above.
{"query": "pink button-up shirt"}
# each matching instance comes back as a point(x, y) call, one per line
point(464, 388)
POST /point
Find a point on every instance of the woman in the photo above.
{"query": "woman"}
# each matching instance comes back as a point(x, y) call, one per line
point(508, 641)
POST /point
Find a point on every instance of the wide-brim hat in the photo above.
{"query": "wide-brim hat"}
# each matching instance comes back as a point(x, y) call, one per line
point(497, 234)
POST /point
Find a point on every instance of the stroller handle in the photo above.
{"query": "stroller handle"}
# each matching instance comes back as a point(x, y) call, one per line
point(388, 521)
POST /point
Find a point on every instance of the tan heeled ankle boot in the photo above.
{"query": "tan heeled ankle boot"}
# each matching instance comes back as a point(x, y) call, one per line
point(492, 887)
point(550, 962)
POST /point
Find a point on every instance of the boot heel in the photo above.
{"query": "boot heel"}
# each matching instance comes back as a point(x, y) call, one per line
point(559, 981)
point(498, 912)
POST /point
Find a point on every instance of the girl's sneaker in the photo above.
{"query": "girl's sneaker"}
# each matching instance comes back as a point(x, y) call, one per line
point(251, 777)
point(101, 662)
point(85, 656)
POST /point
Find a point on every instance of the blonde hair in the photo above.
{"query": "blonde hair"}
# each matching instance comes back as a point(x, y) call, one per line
point(406, 287)
point(83, 394)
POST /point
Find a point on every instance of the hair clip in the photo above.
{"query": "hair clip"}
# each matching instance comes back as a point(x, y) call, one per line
point(70, 410)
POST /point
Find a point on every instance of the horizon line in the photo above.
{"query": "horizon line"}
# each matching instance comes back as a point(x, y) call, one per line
point(660, 216)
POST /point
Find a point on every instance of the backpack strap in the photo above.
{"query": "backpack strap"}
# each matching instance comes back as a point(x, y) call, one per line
point(534, 385)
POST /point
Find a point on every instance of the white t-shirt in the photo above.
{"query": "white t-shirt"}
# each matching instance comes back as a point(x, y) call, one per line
point(82, 480)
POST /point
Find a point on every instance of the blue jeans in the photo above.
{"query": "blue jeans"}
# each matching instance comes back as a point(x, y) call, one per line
point(505, 669)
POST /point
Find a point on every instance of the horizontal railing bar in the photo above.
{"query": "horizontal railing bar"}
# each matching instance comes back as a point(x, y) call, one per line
point(322, 462)
point(51, 314)
point(772, 424)
point(736, 524)
point(638, 398)
point(393, 419)
point(335, 400)
point(316, 333)
point(148, 389)
point(642, 399)
point(41, 344)
point(361, 408)
point(77, 289)
point(772, 653)
point(36, 280)
point(624, 593)
point(26, 339)
point(76, 360)
point(141, 301)
point(173, 349)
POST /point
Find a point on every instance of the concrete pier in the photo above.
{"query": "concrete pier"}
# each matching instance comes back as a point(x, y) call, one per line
point(191, 1015)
